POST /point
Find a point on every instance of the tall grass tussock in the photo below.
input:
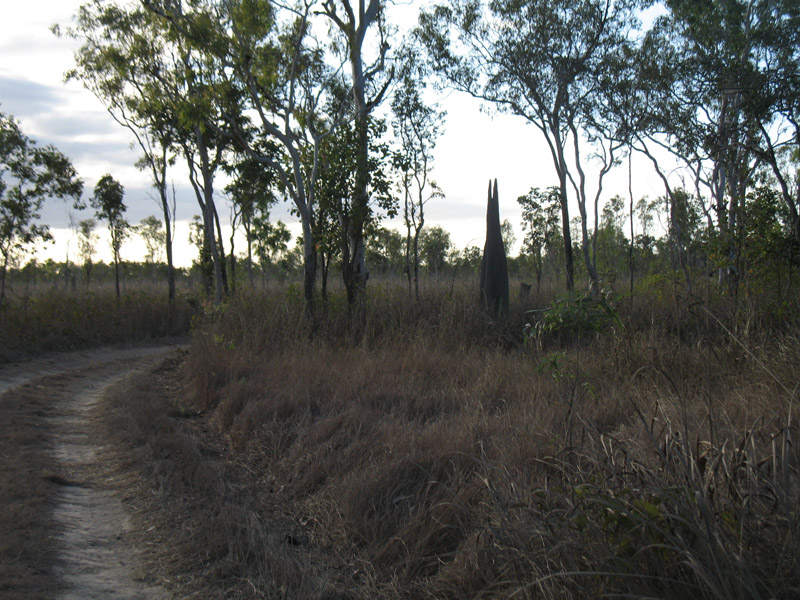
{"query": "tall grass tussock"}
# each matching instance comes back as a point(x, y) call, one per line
point(428, 451)
point(55, 320)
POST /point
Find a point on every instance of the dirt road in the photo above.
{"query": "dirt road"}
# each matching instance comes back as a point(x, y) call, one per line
point(95, 558)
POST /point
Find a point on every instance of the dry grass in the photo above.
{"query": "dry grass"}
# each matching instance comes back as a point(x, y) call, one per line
point(205, 522)
point(56, 320)
point(425, 451)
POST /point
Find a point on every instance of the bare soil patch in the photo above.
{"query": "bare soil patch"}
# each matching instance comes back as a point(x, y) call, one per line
point(66, 532)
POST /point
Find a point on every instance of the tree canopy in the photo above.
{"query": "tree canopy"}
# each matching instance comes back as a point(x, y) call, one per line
point(29, 175)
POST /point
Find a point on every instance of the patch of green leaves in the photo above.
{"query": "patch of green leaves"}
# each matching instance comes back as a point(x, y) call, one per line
point(575, 317)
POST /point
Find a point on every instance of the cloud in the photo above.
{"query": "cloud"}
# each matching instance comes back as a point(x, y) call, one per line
point(70, 120)
point(23, 98)
point(141, 202)
point(79, 125)
point(52, 114)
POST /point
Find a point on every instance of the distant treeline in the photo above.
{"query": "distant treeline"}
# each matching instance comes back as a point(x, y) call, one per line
point(687, 249)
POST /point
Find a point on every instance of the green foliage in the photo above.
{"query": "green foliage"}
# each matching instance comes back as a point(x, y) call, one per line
point(573, 317)
point(87, 240)
point(109, 206)
point(469, 259)
point(151, 229)
point(197, 237)
point(337, 214)
point(253, 189)
point(385, 250)
point(417, 126)
point(28, 176)
point(435, 245)
point(509, 238)
point(271, 240)
point(171, 71)
point(552, 364)
point(767, 237)
point(542, 61)
point(541, 212)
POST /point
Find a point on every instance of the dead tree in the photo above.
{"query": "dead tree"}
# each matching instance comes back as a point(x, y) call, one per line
point(494, 268)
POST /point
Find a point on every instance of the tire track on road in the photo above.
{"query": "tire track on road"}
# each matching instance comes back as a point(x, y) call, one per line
point(95, 557)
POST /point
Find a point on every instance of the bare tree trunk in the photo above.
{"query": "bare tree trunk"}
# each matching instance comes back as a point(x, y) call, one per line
point(211, 241)
point(326, 263)
point(222, 259)
point(310, 267)
point(233, 263)
point(569, 268)
point(3, 280)
point(116, 273)
point(417, 232)
point(205, 197)
point(631, 246)
point(419, 223)
point(249, 251)
point(407, 213)
point(354, 265)
point(160, 179)
point(170, 264)
point(354, 25)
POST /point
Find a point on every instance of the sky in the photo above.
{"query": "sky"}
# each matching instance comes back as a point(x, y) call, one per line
point(476, 146)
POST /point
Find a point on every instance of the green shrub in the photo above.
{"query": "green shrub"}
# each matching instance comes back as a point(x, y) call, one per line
point(574, 317)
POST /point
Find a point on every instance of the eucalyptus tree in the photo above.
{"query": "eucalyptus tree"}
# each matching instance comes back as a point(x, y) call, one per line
point(716, 85)
point(198, 239)
point(109, 206)
point(337, 195)
point(275, 69)
point(694, 56)
point(151, 230)
point(126, 61)
point(252, 191)
point(417, 127)
point(540, 215)
point(29, 175)
point(293, 87)
point(647, 115)
point(271, 241)
point(369, 81)
point(205, 102)
point(385, 250)
point(87, 244)
point(543, 61)
point(435, 245)
point(779, 63)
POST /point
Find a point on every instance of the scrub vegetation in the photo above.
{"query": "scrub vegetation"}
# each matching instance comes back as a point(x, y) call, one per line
point(620, 421)
point(52, 320)
point(433, 452)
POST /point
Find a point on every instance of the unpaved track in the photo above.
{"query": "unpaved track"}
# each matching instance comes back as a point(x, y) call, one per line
point(96, 559)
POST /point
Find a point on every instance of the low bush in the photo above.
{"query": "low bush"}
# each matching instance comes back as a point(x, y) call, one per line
point(445, 459)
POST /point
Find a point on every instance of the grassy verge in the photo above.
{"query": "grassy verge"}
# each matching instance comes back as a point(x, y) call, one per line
point(208, 525)
point(56, 320)
point(426, 451)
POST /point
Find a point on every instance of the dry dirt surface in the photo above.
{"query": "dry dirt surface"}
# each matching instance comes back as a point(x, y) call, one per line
point(89, 527)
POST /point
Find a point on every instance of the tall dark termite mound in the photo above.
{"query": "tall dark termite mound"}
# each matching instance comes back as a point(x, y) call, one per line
point(494, 268)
